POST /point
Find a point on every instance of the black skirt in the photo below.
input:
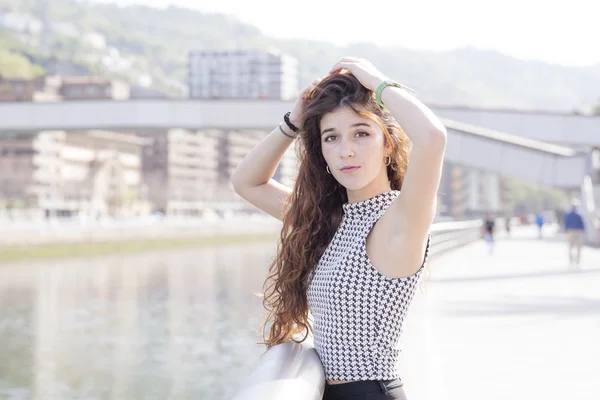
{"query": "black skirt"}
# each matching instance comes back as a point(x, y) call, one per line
point(368, 390)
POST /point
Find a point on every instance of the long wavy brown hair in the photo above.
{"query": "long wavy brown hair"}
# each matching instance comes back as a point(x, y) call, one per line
point(314, 209)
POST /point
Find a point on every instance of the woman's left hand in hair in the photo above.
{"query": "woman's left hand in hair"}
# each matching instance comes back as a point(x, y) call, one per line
point(366, 73)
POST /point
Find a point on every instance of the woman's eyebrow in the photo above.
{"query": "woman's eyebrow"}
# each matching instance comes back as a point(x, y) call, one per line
point(353, 125)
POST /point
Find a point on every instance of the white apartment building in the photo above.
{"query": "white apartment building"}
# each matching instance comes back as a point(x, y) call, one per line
point(188, 172)
point(268, 74)
point(180, 170)
point(91, 173)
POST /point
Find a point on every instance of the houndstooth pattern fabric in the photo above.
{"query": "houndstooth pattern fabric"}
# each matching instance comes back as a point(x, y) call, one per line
point(357, 312)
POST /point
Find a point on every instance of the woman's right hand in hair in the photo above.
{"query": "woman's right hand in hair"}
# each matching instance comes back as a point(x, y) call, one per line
point(298, 109)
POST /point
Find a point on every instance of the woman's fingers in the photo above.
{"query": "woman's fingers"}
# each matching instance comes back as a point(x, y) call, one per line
point(349, 59)
point(348, 63)
point(340, 66)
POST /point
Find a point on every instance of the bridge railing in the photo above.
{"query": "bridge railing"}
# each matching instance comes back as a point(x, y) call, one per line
point(293, 371)
point(449, 235)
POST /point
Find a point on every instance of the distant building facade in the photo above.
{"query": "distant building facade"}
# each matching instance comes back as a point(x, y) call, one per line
point(267, 74)
point(470, 193)
point(58, 88)
point(180, 170)
point(189, 172)
point(93, 88)
point(16, 89)
point(91, 173)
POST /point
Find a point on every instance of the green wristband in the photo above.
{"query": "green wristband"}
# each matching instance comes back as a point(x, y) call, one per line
point(385, 84)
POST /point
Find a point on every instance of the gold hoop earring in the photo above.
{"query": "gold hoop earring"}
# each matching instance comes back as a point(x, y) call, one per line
point(327, 169)
point(388, 160)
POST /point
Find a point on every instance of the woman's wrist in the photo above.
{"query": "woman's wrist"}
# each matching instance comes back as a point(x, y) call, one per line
point(295, 121)
point(377, 81)
point(291, 123)
point(285, 130)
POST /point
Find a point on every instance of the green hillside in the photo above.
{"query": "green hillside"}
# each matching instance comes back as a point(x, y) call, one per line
point(157, 41)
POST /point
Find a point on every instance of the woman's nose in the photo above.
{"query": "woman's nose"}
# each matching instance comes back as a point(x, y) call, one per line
point(347, 149)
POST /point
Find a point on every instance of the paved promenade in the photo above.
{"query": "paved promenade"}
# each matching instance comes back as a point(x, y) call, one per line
point(518, 324)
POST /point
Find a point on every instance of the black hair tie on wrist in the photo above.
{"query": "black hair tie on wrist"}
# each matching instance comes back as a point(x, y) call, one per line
point(286, 134)
point(286, 118)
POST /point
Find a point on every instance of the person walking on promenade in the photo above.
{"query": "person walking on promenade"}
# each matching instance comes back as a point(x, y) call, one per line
point(539, 221)
point(575, 230)
point(489, 228)
point(356, 224)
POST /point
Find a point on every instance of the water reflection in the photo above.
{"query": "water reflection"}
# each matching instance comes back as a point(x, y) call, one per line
point(172, 325)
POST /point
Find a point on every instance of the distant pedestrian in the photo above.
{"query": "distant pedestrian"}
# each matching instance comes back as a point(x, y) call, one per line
point(539, 221)
point(575, 230)
point(489, 226)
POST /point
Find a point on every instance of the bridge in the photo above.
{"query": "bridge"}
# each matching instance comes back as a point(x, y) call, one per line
point(469, 145)
point(476, 140)
point(559, 128)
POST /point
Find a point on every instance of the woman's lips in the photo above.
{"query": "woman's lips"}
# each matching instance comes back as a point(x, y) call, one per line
point(349, 169)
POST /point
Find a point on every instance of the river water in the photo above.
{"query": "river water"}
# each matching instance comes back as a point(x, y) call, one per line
point(179, 324)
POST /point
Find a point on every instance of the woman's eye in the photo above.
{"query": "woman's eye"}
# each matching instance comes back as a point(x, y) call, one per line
point(333, 137)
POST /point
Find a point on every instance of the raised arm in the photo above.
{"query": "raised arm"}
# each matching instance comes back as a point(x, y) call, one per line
point(418, 199)
point(252, 179)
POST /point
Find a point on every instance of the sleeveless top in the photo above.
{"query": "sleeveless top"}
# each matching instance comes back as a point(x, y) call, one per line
point(358, 313)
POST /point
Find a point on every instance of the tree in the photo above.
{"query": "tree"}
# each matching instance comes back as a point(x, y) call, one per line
point(13, 65)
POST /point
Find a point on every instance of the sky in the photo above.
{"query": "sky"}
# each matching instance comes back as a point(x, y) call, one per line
point(557, 32)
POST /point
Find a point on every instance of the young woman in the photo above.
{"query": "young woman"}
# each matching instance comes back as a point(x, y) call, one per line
point(355, 234)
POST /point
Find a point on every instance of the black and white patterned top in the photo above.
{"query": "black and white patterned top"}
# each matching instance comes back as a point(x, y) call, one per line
point(357, 312)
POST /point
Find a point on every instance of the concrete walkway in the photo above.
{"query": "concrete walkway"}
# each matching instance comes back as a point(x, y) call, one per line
point(518, 324)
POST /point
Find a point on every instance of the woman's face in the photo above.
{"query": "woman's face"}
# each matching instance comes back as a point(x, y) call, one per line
point(354, 148)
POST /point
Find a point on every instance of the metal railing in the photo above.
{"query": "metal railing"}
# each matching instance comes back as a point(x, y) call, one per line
point(450, 235)
point(293, 371)
point(288, 371)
